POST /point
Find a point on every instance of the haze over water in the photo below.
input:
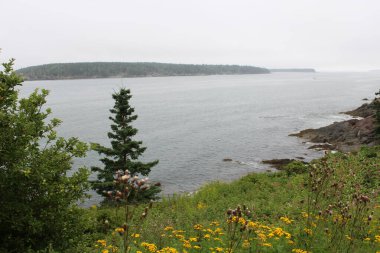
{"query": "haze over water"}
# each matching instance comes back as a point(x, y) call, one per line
point(191, 123)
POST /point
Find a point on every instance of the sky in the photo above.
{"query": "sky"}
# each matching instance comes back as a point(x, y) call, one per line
point(328, 35)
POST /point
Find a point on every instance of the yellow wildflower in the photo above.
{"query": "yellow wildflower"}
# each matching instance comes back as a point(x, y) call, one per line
point(168, 228)
point(197, 247)
point(299, 251)
point(286, 220)
point(198, 227)
point(120, 230)
point(105, 251)
point(193, 239)
point(218, 249)
point(102, 242)
point(135, 235)
point(246, 244)
point(241, 220)
point(308, 231)
point(186, 244)
point(266, 244)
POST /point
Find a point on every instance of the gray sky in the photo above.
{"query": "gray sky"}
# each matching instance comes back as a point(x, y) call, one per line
point(323, 34)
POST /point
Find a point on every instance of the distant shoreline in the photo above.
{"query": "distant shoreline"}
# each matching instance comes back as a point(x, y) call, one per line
point(94, 70)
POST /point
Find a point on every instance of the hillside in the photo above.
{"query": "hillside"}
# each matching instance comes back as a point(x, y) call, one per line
point(86, 70)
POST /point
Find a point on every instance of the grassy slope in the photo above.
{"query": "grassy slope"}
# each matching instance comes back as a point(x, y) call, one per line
point(269, 196)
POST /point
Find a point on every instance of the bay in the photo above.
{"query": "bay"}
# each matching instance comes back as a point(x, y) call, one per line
point(192, 123)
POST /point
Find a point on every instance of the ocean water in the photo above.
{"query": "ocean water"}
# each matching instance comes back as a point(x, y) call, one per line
point(192, 123)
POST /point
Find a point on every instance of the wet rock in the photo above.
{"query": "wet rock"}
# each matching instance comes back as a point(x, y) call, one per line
point(278, 163)
point(227, 160)
point(322, 146)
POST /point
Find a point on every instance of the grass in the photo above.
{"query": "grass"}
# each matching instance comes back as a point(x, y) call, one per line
point(333, 207)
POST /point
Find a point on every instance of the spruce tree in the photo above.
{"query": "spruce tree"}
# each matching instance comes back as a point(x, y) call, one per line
point(124, 151)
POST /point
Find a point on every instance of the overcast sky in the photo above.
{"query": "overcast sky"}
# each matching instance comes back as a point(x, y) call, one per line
point(327, 35)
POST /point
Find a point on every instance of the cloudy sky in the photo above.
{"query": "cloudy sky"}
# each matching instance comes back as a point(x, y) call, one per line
point(328, 35)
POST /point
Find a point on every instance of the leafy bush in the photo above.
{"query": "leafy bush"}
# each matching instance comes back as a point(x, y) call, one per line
point(38, 199)
point(295, 167)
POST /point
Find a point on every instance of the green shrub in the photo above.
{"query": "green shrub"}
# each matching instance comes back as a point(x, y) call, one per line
point(295, 167)
point(38, 199)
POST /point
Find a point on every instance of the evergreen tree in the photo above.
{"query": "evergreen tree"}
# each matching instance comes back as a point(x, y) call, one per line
point(124, 150)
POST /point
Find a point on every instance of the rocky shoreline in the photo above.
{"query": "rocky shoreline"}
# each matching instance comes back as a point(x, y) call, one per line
point(344, 136)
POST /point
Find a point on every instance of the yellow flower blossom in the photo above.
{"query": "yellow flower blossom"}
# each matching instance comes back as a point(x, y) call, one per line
point(193, 239)
point(286, 220)
point(198, 227)
point(308, 231)
point(266, 245)
point(102, 242)
point(299, 251)
point(135, 235)
point(120, 230)
point(186, 244)
point(168, 228)
point(246, 244)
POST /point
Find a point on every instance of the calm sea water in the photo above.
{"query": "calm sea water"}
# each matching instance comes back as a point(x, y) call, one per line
point(191, 123)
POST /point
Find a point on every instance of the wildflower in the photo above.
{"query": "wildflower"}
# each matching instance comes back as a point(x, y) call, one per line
point(168, 228)
point(201, 205)
point(308, 231)
point(135, 235)
point(105, 251)
point(367, 239)
point(377, 238)
point(186, 244)
point(151, 247)
point(198, 226)
point(252, 225)
point(266, 244)
point(286, 220)
point(279, 232)
point(207, 236)
point(193, 239)
point(348, 237)
point(305, 215)
point(168, 250)
point(299, 251)
point(262, 237)
point(214, 223)
point(218, 249)
point(102, 242)
point(197, 247)
point(120, 230)
point(241, 220)
point(246, 244)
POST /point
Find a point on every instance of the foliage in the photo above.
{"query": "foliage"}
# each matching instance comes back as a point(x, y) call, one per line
point(295, 167)
point(124, 151)
point(130, 69)
point(38, 199)
point(298, 213)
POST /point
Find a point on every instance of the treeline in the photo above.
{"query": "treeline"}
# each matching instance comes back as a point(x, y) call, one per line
point(87, 70)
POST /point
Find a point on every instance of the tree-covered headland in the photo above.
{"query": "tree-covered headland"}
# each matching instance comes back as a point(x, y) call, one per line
point(86, 70)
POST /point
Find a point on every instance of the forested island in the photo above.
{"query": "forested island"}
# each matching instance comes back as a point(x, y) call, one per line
point(87, 70)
